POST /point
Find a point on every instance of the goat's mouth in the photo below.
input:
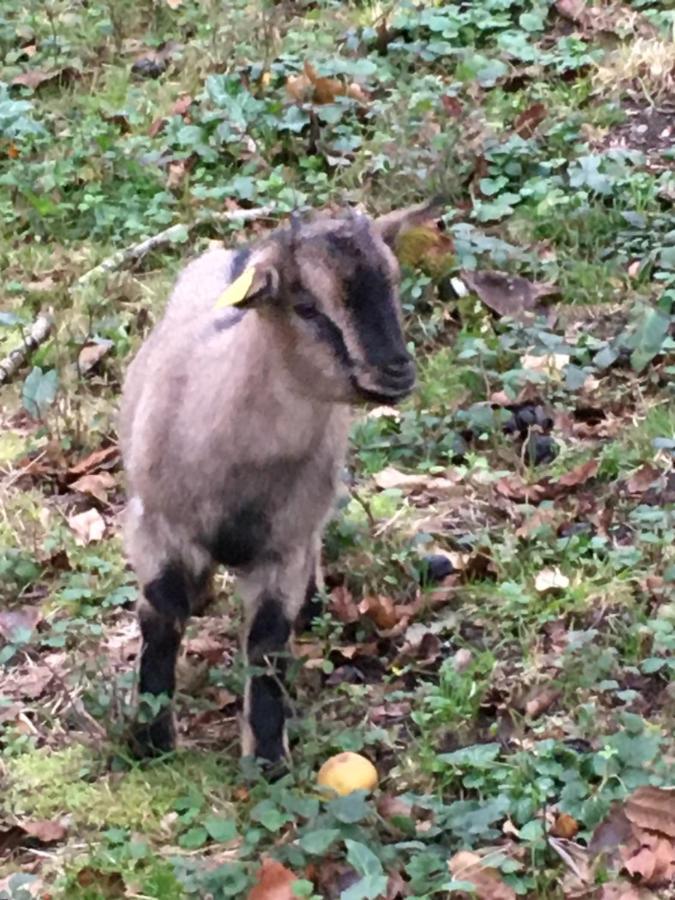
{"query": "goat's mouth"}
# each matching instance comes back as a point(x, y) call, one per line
point(388, 387)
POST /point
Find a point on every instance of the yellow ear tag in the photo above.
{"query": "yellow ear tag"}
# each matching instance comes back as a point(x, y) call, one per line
point(237, 291)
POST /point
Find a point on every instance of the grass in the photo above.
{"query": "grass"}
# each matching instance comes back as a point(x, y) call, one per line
point(493, 705)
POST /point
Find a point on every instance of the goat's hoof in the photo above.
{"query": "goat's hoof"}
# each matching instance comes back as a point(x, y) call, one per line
point(152, 739)
point(274, 769)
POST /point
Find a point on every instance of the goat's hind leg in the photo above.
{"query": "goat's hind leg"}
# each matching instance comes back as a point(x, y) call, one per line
point(311, 607)
point(163, 613)
point(272, 598)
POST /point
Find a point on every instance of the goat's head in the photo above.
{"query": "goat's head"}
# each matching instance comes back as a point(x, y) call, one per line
point(332, 285)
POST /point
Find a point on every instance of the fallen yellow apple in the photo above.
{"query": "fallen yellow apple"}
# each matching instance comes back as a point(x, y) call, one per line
point(347, 772)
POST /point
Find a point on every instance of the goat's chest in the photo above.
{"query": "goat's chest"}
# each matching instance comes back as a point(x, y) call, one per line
point(266, 507)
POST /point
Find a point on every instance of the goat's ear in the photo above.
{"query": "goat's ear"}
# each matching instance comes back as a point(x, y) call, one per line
point(257, 284)
point(394, 224)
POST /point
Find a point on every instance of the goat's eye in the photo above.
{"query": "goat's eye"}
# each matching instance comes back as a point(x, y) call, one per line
point(306, 310)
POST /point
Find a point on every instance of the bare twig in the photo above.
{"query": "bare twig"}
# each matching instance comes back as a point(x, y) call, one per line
point(38, 334)
point(132, 254)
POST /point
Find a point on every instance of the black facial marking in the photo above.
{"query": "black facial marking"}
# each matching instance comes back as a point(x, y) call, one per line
point(238, 264)
point(229, 318)
point(327, 331)
point(369, 299)
point(266, 717)
point(269, 631)
point(169, 593)
point(241, 537)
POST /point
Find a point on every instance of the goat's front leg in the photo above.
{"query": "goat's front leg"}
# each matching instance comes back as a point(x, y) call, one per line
point(272, 598)
point(163, 613)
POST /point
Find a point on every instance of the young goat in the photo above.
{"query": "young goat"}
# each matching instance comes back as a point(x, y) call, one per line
point(234, 428)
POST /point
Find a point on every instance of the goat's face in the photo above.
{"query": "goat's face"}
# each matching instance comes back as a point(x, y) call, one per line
point(336, 289)
point(346, 301)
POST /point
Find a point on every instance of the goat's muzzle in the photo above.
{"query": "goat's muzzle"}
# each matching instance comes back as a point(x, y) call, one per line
point(387, 383)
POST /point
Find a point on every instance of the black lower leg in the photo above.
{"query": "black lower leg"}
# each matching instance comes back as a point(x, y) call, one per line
point(311, 608)
point(265, 713)
point(161, 630)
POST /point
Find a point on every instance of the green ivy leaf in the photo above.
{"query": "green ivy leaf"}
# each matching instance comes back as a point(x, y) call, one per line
point(221, 830)
point(651, 332)
point(349, 809)
point(39, 391)
point(362, 858)
point(193, 838)
point(319, 840)
point(368, 888)
point(269, 815)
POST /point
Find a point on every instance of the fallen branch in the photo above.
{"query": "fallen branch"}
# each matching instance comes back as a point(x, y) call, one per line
point(132, 254)
point(38, 334)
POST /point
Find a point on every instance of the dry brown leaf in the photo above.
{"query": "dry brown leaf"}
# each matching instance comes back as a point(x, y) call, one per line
point(310, 86)
point(298, 87)
point(391, 477)
point(182, 105)
point(390, 712)
point(507, 295)
point(541, 701)
point(577, 859)
point(389, 805)
point(15, 621)
point(653, 808)
point(107, 884)
point(381, 610)
point(327, 89)
point(614, 831)
point(45, 831)
point(32, 683)
point(104, 458)
point(551, 579)
point(514, 488)
point(33, 78)
point(22, 833)
point(642, 864)
point(551, 363)
point(462, 659)
point(397, 887)
point(468, 866)
point(156, 126)
point(274, 882)
point(96, 485)
point(574, 10)
point(580, 474)
point(643, 479)
point(91, 354)
point(342, 605)
point(177, 172)
point(452, 106)
point(663, 849)
point(622, 890)
point(88, 526)
point(528, 120)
